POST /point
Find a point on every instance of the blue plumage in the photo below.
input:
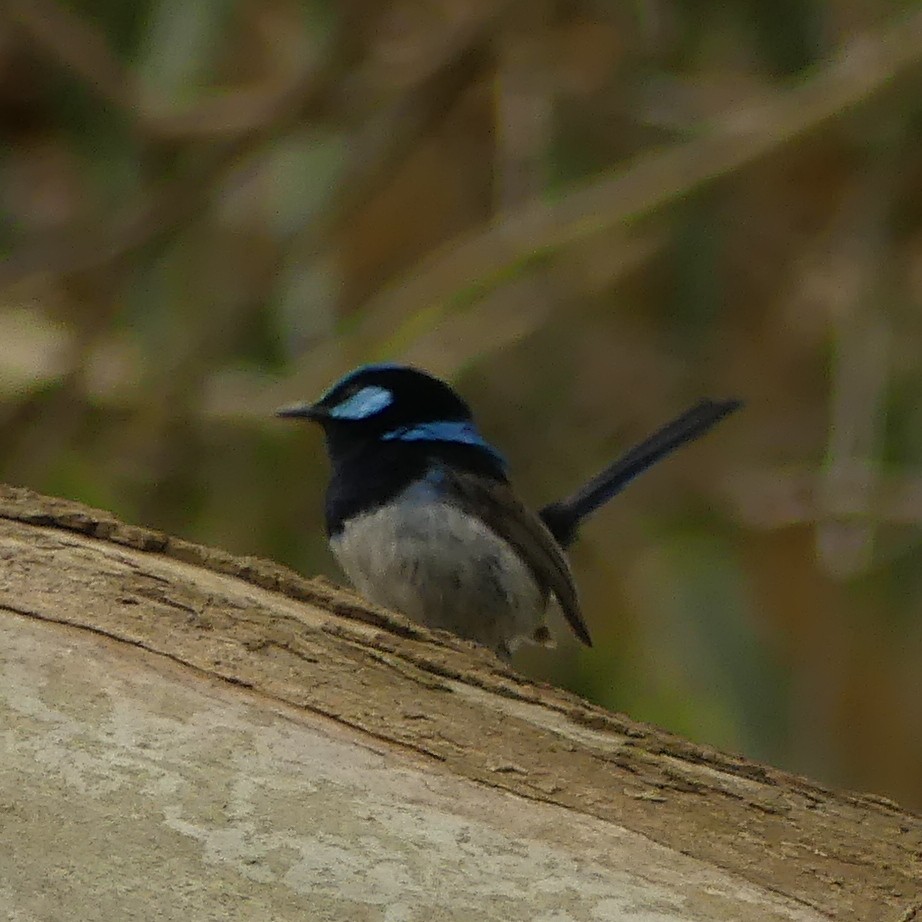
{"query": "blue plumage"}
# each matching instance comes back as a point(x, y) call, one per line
point(421, 515)
point(363, 403)
point(462, 432)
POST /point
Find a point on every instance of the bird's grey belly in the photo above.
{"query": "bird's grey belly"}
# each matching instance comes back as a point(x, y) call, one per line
point(443, 569)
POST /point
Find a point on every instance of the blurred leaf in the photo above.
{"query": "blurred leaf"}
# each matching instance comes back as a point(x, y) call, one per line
point(181, 44)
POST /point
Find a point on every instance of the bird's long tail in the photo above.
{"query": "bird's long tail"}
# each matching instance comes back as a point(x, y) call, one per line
point(564, 517)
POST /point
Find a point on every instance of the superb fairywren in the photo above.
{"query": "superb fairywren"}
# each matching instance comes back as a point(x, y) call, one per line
point(421, 516)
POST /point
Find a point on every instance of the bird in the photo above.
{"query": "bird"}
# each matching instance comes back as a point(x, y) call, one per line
point(423, 519)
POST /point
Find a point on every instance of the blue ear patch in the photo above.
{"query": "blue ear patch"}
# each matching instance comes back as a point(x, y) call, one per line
point(363, 403)
point(463, 432)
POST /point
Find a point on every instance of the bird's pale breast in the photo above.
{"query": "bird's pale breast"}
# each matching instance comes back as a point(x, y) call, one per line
point(442, 568)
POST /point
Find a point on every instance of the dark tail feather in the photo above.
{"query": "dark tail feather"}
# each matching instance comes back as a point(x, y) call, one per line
point(563, 518)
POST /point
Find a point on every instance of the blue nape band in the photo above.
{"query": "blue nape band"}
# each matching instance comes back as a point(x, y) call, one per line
point(463, 432)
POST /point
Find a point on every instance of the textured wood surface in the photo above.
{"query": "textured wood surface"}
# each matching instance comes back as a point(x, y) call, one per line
point(254, 689)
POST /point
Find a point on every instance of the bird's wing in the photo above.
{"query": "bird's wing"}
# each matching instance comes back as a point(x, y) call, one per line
point(495, 503)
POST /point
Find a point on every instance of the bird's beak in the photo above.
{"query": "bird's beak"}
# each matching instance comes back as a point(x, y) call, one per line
point(309, 411)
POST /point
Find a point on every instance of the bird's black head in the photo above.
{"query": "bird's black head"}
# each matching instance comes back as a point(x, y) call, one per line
point(389, 405)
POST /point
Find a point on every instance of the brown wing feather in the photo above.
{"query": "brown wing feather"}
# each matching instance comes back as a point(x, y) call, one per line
point(498, 507)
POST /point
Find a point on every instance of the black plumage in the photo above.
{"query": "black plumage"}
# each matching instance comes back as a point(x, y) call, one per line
point(421, 514)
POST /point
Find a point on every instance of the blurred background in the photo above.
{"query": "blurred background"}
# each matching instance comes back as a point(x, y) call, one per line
point(586, 215)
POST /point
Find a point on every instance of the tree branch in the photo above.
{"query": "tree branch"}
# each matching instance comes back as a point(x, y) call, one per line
point(809, 852)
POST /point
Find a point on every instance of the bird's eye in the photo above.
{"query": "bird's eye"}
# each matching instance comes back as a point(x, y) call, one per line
point(363, 403)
